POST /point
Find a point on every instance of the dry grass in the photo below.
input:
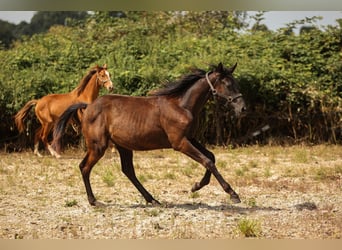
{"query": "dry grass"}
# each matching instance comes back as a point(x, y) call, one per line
point(286, 192)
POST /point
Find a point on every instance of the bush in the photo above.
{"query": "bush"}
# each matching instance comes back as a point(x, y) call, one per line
point(293, 83)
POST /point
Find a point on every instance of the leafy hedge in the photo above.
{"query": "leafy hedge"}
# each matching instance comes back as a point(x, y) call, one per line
point(293, 83)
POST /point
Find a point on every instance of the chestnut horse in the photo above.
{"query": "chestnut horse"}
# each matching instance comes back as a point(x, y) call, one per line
point(50, 107)
point(165, 119)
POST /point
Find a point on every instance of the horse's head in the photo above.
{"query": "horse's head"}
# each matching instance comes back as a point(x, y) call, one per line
point(103, 77)
point(225, 86)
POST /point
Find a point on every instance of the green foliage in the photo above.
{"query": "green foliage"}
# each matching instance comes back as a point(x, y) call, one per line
point(292, 82)
point(249, 227)
point(71, 203)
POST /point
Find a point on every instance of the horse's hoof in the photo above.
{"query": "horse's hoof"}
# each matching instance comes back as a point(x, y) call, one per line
point(155, 203)
point(98, 204)
point(195, 187)
point(235, 198)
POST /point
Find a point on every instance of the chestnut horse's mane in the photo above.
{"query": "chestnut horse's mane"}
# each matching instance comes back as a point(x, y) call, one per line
point(84, 82)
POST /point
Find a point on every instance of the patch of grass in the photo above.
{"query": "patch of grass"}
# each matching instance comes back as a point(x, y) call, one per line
point(327, 173)
point(194, 195)
point(239, 172)
point(154, 212)
point(108, 178)
point(221, 164)
point(300, 156)
point(170, 176)
point(252, 164)
point(249, 227)
point(71, 203)
point(242, 171)
point(338, 169)
point(188, 171)
point(251, 202)
point(142, 178)
point(267, 172)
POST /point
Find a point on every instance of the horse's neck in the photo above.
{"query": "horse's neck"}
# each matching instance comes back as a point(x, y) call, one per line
point(91, 91)
point(195, 98)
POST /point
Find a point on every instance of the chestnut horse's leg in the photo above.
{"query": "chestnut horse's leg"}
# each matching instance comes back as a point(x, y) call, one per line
point(46, 128)
point(206, 178)
point(37, 137)
point(126, 157)
point(186, 147)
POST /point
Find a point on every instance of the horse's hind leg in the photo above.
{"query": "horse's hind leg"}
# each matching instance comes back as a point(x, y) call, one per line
point(45, 133)
point(91, 158)
point(126, 157)
point(37, 137)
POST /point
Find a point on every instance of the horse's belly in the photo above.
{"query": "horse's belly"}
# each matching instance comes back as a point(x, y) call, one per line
point(141, 141)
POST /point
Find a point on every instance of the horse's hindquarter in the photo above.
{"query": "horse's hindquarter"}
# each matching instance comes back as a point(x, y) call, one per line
point(132, 122)
point(51, 107)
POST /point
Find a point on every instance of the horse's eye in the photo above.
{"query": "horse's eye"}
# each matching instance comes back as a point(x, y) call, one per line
point(228, 84)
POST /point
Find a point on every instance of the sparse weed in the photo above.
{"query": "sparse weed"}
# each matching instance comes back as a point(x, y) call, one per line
point(188, 171)
point(108, 178)
point(194, 195)
point(301, 156)
point(170, 176)
point(142, 178)
point(338, 169)
point(249, 227)
point(242, 171)
point(153, 212)
point(221, 164)
point(239, 172)
point(251, 202)
point(267, 172)
point(252, 164)
point(325, 173)
point(71, 203)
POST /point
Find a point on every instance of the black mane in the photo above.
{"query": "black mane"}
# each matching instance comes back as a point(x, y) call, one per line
point(180, 86)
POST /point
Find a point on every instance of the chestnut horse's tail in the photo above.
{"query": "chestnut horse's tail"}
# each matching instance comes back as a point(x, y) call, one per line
point(62, 123)
point(22, 114)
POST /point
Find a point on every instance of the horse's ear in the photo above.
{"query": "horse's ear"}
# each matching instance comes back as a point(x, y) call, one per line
point(231, 70)
point(220, 68)
point(104, 66)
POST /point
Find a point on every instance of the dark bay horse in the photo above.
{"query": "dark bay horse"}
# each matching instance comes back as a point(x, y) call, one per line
point(162, 120)
point(50, 107)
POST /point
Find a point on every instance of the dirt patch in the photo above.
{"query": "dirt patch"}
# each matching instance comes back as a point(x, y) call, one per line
point(291, 193)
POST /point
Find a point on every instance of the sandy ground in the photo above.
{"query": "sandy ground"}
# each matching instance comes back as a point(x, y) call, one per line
point(286, 193)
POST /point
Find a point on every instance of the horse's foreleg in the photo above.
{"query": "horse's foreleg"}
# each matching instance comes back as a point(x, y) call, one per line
point(126, 157)
point(206, 178)
point(186, 147)
point(205, 181)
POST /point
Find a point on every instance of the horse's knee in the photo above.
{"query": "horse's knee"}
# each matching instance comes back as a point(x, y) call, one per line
point(211, 156)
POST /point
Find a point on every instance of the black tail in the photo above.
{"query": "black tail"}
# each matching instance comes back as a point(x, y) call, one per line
point(62, 123)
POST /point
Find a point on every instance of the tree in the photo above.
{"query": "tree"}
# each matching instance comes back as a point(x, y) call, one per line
point(258, 18)
point(43, 20)
point(6, 33)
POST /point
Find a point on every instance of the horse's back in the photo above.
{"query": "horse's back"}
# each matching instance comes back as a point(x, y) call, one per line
point(51, 106)
point(131, 122)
